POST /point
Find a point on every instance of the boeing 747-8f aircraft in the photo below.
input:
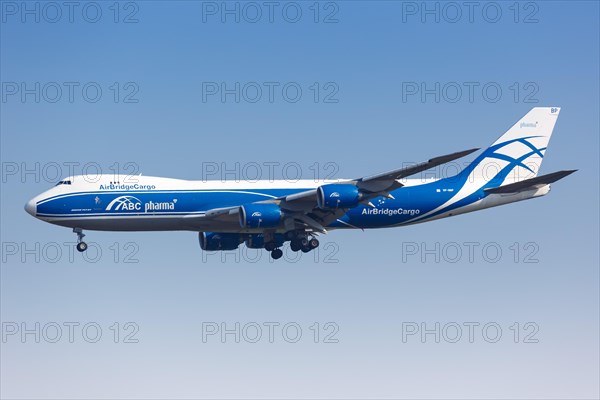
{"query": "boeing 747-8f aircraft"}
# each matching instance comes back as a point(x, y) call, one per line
point(266, 214)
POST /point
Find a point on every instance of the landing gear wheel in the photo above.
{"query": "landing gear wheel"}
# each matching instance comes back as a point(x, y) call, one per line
point(295, 245)
point(306, 249)
point(313, 243)
point(277, 254)
point(81, 247)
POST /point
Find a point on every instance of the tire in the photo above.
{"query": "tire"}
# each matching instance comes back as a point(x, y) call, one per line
point(276, 254)
point(313, 243)
point(81, 247)
point(295, 245)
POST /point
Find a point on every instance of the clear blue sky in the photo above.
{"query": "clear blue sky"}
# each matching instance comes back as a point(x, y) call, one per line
point(364, 60)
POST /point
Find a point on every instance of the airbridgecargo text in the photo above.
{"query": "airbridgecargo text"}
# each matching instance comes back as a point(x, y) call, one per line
point(127, 187)
point(390, 211)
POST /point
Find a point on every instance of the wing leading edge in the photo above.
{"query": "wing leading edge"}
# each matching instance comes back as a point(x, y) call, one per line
point(301, 210)
point(374, 185)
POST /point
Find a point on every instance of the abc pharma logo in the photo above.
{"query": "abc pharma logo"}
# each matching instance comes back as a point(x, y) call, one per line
point(125, 203)
point(131, 203)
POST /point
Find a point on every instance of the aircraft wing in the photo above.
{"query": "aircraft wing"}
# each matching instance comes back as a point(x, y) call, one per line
point(388, 180)
point(302, 211)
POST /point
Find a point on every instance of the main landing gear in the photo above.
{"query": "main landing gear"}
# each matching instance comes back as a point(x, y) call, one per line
point(301, 242)
point(276, 252)
point(81, 245)
point(304, 244)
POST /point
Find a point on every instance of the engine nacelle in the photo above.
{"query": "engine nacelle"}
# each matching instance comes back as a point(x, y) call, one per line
point(212, 241)
point(337, 195)
point(260, 215)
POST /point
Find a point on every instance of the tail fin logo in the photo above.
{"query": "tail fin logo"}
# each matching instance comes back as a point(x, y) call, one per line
point(514, 160)
point(529, 125)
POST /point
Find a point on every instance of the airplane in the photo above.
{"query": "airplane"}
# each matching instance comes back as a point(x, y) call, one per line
point(266, 214)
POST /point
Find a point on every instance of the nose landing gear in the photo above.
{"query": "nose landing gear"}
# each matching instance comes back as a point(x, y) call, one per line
point(81, 245)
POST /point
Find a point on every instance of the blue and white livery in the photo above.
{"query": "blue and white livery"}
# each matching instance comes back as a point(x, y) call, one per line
point(266, 214)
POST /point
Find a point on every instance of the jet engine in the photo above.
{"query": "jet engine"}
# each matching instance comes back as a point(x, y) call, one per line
point(336, 195)
point(219, 241)
point(260, 215)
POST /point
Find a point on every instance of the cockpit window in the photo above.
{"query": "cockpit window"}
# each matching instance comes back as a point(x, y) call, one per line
point(63, 183)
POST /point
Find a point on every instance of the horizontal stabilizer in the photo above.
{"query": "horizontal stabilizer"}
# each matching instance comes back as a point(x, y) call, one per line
point(530, 183)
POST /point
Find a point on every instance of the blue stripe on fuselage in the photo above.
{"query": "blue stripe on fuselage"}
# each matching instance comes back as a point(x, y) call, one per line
point(133, 203)
point(409, 204)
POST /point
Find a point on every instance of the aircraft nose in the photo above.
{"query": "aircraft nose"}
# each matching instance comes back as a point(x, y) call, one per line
point(30, 207)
